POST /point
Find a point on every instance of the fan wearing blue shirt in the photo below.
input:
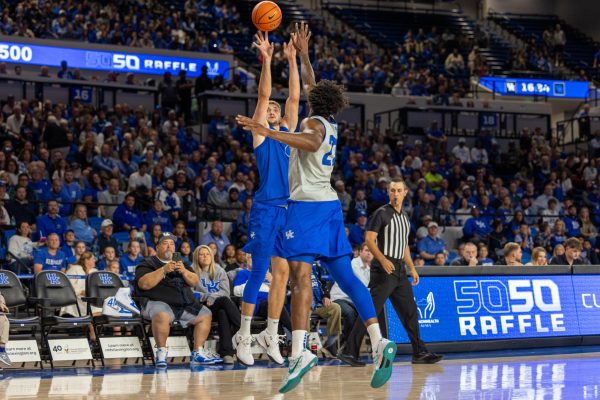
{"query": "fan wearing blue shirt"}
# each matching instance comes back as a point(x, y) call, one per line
point(126, 216)
point(431, 244)
point(156, 215)
point(50, 257)
point(130, 260)
point(51, 222)
point(477, 227)
point(572, 221)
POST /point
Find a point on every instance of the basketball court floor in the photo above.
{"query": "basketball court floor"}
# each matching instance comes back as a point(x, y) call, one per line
point(565, 373)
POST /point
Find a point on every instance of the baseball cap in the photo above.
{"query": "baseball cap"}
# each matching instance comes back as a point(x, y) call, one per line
point(167, 236)
point(466, 187)
point(462, 140)
point(361, 213)
point(105, 223)
point(432, 224)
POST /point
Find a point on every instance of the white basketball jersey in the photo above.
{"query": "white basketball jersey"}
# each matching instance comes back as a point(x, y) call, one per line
point(310, 173)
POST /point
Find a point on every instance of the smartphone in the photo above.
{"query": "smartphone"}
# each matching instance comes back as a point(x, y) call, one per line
point(176, 256)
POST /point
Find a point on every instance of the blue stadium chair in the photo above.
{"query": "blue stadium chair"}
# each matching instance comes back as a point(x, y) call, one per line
point(95, 223)
point(121, 237)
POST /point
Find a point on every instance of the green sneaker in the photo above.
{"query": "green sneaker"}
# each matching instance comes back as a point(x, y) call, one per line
point(383, 359)
point(298, 367)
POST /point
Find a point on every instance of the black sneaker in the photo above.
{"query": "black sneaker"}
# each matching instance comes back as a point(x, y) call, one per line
point(350, 360)
point(426, 357)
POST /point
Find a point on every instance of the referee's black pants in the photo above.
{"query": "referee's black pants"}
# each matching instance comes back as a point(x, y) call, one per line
point(399, 290)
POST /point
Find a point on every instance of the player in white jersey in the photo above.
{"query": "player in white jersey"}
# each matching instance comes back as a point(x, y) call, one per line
point(314, 222)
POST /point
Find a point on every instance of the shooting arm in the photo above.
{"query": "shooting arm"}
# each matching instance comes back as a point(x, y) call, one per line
point(308, 74)
point(264, 92)
point(293, 101)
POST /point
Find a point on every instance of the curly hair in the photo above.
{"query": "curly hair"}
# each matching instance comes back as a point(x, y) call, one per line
point(327, 98)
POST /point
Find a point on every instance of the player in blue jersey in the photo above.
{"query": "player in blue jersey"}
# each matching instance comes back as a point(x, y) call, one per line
point(314, 222)
point(267, 216)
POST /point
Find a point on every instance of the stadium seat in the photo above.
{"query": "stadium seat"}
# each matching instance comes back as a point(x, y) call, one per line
point(98, 286)
point(52, 291)
point(15, 296)
point(95, 223)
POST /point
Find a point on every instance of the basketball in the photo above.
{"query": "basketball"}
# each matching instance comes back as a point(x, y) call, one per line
point(266, 16)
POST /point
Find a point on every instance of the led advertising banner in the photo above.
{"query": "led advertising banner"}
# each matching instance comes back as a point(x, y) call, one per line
point(124, 62)
point(494, 307)
point(536, 87)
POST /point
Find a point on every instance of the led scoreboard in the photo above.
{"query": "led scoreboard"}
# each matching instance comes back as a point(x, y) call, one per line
point(536, 87)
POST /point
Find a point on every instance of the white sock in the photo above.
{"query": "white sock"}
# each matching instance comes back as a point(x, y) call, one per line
point(298, 343)
point(245, 325)
point(272, 326)
point(374, 334)
point(162, 348)
point(200, 349)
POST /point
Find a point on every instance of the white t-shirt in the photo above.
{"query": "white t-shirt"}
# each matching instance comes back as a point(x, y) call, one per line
point(362, 272)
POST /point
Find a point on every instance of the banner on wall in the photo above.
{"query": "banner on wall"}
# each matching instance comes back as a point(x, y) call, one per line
point(470, 308)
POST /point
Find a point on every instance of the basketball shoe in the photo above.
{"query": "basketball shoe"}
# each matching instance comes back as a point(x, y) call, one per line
point(383, 360)
point(271, 345)
point(242, 346)
point(299, 366)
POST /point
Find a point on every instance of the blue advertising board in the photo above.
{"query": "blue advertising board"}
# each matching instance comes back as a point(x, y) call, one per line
point(124, 62)
point(495, 307)
point(536, 87)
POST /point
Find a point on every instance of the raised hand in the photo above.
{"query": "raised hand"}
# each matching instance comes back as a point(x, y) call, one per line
point(263, 45)
point(288, 48)
point(251, 125)
point(301, 37)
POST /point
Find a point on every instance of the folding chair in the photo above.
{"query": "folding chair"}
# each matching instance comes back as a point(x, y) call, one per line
point(98, 286)
point(25, 326)
point(54, 290)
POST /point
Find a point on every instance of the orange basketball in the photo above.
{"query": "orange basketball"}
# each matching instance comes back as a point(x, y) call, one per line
point(266, 16)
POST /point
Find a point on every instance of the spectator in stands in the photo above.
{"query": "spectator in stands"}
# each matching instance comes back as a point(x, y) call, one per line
point(4, 331)
point(109, 255)
point(215, 235)
point(468, 258)
point(155, 234)
point(431, 244)
point(181, 234)
point(20, 208)
point(126, 216)
point(539, 257)
point(106, 238)
point(203, 82)
point(217, 196)
point(436, 138)
point(462, 151)
point(20, 247)
point(214, 291)
point(361, 267)
point(55, 137)
point(140, 179)
point(512, 254)
point(357, 230)
point(184, 93)
point(74, 252)
point(233, 205)
point(50, 257)
point(78, 222)
point(167, 285)
point(559, 235)
point(229, 258)
point(588, 230)
point(130, 260)
point(157, 216)
point(323, 307)
point(476, 228)
point(559, 39)
point(455, 64)
point(85, 265)
point(168, 93)
point(171, 202)
point(572, 254)
point(50, 222)
point(110, 199)
point(105, 163)
point(482, 257)
point(571, 220)
point(479, 154)
point(440, 259)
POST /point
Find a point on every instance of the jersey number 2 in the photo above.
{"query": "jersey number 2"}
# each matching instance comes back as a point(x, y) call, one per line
point(331, 153)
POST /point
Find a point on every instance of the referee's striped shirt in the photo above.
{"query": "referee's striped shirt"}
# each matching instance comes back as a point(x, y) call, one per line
point(393, 229)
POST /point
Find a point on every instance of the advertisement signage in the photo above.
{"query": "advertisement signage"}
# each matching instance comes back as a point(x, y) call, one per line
point(492, 307)
point(121, 347)
point(124, 62)
point(70, 349)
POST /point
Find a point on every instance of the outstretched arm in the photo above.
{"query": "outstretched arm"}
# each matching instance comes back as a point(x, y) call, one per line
point(292, 104)
point(308, 139)
point(301, 39)
point(264, 86)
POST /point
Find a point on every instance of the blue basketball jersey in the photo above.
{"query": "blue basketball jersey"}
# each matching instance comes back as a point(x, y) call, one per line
point(272, 160)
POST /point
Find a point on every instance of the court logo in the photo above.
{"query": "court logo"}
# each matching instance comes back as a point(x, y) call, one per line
point(426, 309)
point(4, 279)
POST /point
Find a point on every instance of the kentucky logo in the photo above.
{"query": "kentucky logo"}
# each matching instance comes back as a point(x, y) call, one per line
point(3, 279)
point(106, 279)
point(212, 69)
point(53, 279)
point(211, 286)
point(426, 308)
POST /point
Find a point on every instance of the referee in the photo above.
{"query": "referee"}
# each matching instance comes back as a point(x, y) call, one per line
point(387, 238)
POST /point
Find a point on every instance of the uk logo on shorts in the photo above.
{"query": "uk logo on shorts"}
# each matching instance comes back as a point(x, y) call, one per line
point(53, 279)
point(3, 279)
point(106, 279)
point(252, 235)
point(289, 234)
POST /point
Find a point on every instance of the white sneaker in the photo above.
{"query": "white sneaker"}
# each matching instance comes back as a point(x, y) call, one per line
point(383, 360)
point(161, 358)
point(242, 347)
point(298, 368)
point(271, 345)
point(5, 359)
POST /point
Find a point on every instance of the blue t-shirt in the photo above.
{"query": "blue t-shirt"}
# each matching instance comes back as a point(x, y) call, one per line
point(127, 265)
point(272, 160)
point(50, 262)
point(431, 246)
